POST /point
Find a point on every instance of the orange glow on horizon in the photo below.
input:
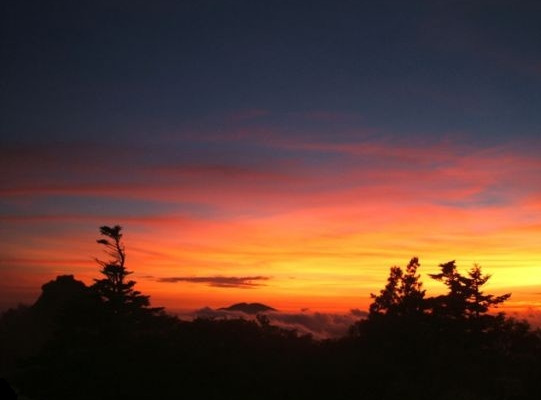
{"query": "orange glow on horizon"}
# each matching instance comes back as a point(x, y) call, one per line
point(323, 243)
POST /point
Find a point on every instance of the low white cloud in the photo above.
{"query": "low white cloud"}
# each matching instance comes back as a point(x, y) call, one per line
point(318, 324)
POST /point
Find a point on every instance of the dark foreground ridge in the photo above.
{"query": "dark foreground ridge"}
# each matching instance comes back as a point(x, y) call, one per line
point(106, 342)
point(249, 308)
point(6, 391)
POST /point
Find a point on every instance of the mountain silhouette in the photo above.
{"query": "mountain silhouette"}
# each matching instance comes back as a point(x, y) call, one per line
point(64, 291)
point(249, 308)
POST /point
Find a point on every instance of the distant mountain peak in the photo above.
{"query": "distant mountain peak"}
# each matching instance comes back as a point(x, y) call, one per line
point(249, 308)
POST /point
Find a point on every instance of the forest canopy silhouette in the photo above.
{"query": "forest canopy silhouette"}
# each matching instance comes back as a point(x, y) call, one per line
point(105, 341)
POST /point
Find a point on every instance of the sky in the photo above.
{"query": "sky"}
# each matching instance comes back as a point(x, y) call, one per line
point(284, 152)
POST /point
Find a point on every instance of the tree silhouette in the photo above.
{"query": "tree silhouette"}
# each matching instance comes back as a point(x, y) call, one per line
point(407, 348)
point(454, 303)
point(479, 303)
point(402, 295)
point(465, 298)
point(388, 297)
point(115, 289)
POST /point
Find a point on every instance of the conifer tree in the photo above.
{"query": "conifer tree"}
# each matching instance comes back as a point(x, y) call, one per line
point(465, 298)
point(115, 290)
point(403, 293)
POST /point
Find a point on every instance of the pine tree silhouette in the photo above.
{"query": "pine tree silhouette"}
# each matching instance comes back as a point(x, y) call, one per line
point(115, 290)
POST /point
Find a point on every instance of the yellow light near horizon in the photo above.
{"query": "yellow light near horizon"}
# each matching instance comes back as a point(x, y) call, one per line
point(331, 248)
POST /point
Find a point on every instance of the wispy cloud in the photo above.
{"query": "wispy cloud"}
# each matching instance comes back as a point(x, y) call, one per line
point(244, 282)
point(352, 205)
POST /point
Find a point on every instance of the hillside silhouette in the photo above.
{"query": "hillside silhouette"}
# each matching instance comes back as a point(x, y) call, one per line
point(105, 341)
point(249, 308)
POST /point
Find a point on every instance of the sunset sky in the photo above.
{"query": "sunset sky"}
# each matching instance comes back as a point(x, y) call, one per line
point(284, 152)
